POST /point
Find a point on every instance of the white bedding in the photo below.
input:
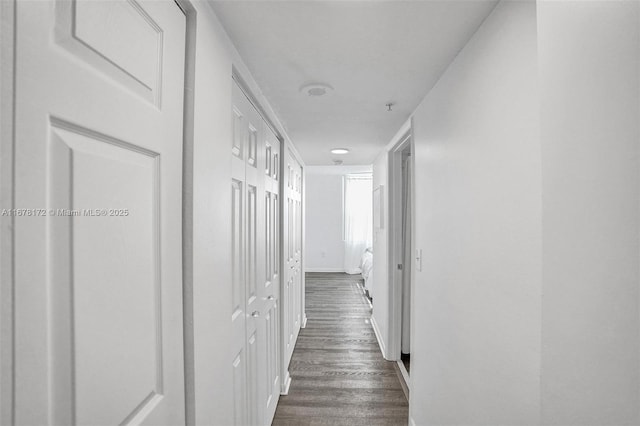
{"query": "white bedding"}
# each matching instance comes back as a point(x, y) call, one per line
point(366, 264)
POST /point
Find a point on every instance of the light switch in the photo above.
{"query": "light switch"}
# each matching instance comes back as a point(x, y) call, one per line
point(419, 259)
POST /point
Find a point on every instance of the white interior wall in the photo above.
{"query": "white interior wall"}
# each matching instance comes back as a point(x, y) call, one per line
point(527, 211)
point(324, 215)
point(476, 354)
point(589, 71)
point(380, 315)
point(212, 206)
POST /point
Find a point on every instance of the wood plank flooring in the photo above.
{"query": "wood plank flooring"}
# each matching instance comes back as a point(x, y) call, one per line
point(339, 376)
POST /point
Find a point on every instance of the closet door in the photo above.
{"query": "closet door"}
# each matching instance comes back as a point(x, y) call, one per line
point(98, 253)
point(255, 216)
point(292, 290)
point(244, 225)
point(271, 287)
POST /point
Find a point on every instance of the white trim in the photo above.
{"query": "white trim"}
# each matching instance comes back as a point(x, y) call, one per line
point(285, 357)
point(7, 122)
point(399, 136)
point(402, 140)
point(295, 153)
point(303, 242)
point(411, 421)
point(313, 269)
point(188, 305)
point(405, 373)
point(286, 384)
point(376, 331)
point(244, 87)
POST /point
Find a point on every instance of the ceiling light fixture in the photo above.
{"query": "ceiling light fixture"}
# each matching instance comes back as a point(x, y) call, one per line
point(340, 151)
point(316, 89)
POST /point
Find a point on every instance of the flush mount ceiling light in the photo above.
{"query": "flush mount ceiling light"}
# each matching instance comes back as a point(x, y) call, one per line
point(340, 151)
point(316, 89)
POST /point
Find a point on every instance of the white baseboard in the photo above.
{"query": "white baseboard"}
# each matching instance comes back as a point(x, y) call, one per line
point(376, 330)
point(412, 422)
point(312, 269)
point(404, 372)
point(304, 321)
point(286, 383)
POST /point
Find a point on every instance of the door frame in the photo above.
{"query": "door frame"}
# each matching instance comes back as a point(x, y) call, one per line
point(287, 146)
point(395, 242)
point(7, 138)
point(188, 121)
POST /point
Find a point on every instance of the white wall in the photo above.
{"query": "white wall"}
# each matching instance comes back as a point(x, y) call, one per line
point(324, 246)
point(528, 213)
point(589, 86)
point(380, 315)
point(211, 242)
point(475, 355)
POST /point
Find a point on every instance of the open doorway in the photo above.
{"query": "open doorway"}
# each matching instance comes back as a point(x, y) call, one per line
point(405, 323)
point(358, 229)
point(338, 220)
point(401, 223)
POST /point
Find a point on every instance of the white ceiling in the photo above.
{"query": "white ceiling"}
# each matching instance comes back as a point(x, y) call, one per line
point(371, 53)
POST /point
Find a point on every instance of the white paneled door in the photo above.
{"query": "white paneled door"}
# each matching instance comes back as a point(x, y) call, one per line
point(255, 253)
point(292, 291)
point(98, 244)
point(271, 283)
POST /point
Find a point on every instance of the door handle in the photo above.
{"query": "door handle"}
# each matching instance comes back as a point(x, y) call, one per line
point(255, 314)
point(271, 298)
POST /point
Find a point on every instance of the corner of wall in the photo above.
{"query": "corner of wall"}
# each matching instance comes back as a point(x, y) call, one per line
point(381, 289)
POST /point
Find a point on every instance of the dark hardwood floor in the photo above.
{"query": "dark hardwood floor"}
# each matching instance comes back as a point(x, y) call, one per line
point(339, 376)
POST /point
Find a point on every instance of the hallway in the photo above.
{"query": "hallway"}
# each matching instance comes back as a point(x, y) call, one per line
point(338, 373)
point(185, 184)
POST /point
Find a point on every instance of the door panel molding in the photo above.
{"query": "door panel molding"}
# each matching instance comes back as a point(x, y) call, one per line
point(255, 317)
point(80, 29)
point(106, 286)
point(293, 283)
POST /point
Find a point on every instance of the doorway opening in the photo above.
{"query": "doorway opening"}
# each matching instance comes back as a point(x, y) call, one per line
point(358, 228)
point(401, 217)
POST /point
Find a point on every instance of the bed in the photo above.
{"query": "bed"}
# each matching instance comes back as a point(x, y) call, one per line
point(366, 264)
